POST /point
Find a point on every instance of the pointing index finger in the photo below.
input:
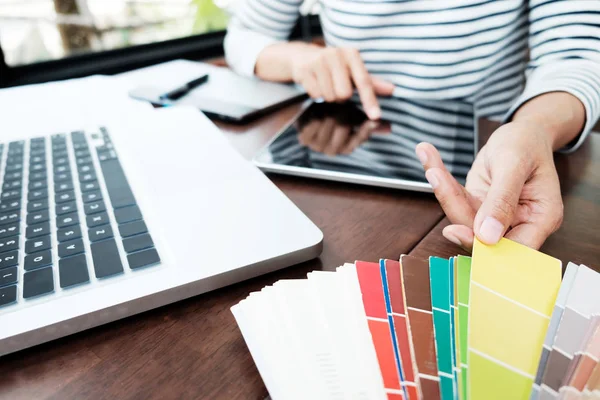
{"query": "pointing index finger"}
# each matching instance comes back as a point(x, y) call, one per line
point(364, 85)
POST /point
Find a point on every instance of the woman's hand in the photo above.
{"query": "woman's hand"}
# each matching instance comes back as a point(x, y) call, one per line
point(332, 74)
point(512, 189)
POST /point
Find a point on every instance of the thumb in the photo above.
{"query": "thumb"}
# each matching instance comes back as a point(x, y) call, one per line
point(497, 211)
point(382, 87)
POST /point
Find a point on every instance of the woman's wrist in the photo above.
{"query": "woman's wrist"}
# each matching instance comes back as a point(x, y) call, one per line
point(277, 61)
point(559, 114)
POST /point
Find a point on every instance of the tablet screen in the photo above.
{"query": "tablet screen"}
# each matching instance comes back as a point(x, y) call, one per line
point(338, 140)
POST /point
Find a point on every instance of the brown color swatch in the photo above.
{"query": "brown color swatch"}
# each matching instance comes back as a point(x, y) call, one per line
point(415, 277)
point(555, 369)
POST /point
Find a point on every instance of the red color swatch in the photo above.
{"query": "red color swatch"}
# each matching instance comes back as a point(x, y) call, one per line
point(371, 288)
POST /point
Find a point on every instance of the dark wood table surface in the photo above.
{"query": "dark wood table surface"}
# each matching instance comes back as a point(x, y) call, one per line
point(193, 349)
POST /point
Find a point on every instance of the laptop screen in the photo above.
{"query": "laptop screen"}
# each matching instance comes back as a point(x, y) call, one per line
point(33, 31)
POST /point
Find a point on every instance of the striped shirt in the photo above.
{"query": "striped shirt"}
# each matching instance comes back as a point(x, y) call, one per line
point(494, 54)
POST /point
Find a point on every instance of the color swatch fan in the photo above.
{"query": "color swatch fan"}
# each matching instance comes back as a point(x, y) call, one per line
point(497, 326)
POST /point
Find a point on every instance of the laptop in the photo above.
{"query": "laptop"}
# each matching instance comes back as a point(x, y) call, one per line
point(99, 224)
point(225, 95)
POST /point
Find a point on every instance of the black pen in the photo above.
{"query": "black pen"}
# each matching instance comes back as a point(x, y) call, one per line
point(184, 89)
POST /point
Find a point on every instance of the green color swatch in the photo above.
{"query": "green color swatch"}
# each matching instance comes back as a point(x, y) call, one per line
point(463, 285)
point(439, 275)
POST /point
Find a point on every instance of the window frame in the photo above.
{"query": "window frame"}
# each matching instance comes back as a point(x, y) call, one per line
point(196, 47)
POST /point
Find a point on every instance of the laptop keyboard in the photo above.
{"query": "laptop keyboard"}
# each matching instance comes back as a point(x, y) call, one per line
point(63, 221)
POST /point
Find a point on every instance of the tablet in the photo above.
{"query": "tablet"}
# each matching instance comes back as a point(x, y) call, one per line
point(226, 95)
point(337, 142)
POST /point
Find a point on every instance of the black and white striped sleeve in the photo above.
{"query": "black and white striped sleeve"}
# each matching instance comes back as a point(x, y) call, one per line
point(256, 24)
point(564, 41)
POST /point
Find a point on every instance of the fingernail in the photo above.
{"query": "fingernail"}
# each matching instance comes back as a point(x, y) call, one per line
point(453, 239)
point(374, 112)
point(432, 179)
point(422, 156)
point(491, 230)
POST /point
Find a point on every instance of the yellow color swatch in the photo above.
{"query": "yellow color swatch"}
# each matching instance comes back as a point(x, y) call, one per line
point(518, 272)
point(518, 334)
point(491, 381)
point(512, 294)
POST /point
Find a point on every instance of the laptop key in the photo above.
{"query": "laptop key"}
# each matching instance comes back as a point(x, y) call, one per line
point(97, 220)
point(37, 244)
point(89, 177)
point(37, 176)
point(37, 230)
point(38, 260)
point(78, 136)
point(10, 217)
point(37, 159)
point(70, 233)
point(38, 282)
point(67, 220)
point(107, 261)
point(132, 228)
point(9, 276)
point(63, 197)
point(10, 195)
point(14, 158)
point(12, 185)
point(60, 152)
point(73, 271)
point(9, 243)
point(8, 295)
point(100, 233)
point(37, 194)
point(63, 187)
point(63, 177)
point(9, 259)
point(92, 196)
point(11, 205)
point(85, 168)
point(143, 258)
point(37, 167)
point(70, 248)
point(94, 208)
point(118, 188)
point(136, 243)
point(38, 217)
point(37, 152)
point(10, 230)
point(89, 186)
point(14, 167)
point(128, 214)
point(84, 160)
point(59, 169)
point(41, 184)
point(37, 205)
point(60, 161)
point(82, 153)
point(80, 145)
point(13, 176)
point(66, 208)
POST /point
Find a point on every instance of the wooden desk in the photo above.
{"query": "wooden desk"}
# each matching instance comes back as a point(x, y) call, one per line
point(193, 349)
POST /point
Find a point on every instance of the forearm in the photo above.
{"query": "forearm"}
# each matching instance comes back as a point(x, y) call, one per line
point(561, 114)
point(276, 62)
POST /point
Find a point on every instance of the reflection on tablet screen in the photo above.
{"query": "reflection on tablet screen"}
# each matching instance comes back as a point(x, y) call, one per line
point(339, 138)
